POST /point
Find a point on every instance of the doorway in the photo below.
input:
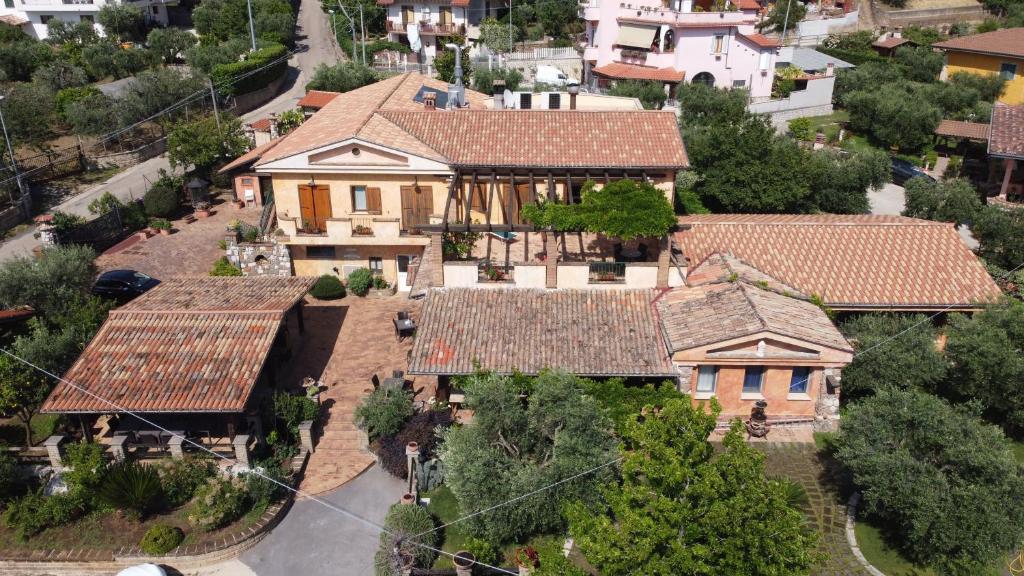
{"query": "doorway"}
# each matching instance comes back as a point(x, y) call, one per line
point(403, 272)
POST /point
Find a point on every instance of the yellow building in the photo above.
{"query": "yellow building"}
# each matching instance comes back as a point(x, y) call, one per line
point(374, 178)
point(999, 52)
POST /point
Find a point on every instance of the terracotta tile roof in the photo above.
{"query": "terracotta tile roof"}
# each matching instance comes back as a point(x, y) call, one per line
point(549, 138)
point(747, 4)
point(622, 71)
point(13, 20)
point(1007, 134)
point(188, 345)
point(250, 157)
point(760, 40)
point(261, 125)
point(892, 42)
point(699, 315)
point(348, 113)
point(317, 99)
point(874, 262)
point(586, 332)
point(961, 129)
point(1005, 42)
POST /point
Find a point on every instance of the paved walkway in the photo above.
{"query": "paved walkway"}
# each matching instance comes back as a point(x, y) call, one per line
point(314, 539)
point(348, 341)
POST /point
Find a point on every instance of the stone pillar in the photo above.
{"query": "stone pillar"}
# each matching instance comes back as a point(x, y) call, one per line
point(412, 454)
point(176, 444)
point(241, 446)
point(306, 435)
point(685, 378)
point(436, 264)
point(117, 446)
point(551, 270)
point(664, 261)
point(55, 450)
point(826, 408)
point(1008, 166)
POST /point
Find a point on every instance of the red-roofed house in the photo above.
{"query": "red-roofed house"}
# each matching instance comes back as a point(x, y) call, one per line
point(677, 41)
point(426, 26)
point(1006, 146)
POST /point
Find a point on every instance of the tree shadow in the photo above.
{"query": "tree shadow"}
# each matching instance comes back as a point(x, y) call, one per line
point(322, 327)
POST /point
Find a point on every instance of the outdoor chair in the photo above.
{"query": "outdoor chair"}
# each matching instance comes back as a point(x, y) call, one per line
point(376, 382)
point(397, 373)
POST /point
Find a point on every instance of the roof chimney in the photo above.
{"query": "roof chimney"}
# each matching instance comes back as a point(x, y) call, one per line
point(273, 126)
point(830, 69)
point(429, 100)
point(456, 91)
point(499, 94)
point(898, 32)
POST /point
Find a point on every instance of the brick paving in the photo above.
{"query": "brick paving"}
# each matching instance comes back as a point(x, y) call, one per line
point(190, 250)
point(346, 343)
point(826, 508)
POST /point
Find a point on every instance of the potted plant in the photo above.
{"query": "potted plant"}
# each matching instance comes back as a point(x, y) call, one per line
point(202, 209)
point(360, 230)
point(162, 225)
point(527, 559)
point(380, 288)
point(464, 561)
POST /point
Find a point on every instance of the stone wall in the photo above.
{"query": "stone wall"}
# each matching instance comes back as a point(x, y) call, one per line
point(130, 157)
point(826, 410)
point(259, 258)
point(252, 100)
point(11, 217)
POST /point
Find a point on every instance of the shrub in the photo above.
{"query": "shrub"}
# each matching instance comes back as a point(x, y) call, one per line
point(35, 512)
point(420, 429)
point(8, 474)
point(85, 467)
point(481, 549)
point(161, 201)
point(383, 412)
point(183, 477)
point(359, 281)
point(293, 410)
point(379, 283)
point(403, 522)
point(131, 487)
point(801, 129)
point(328, 287)
point(64, 222)
point(224, 75)
point(264, 488)
point(217, 504)
point(161, 539)
point(224, 267)
point(160, 224)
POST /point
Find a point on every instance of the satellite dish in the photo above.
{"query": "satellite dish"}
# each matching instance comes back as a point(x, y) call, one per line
point(507, 99)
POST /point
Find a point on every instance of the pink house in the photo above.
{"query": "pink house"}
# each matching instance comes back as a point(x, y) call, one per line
point(672, 41)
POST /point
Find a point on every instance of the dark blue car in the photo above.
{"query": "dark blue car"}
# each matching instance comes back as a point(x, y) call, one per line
point(123, 284)
point(903, 171)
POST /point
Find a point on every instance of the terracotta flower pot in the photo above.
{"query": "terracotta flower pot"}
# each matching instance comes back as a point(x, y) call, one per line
point(202, 213)
point(165, 231)
point(408, 498)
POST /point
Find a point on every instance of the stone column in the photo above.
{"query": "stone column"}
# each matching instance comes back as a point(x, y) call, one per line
point(175, 444)
point(1009, 165)
point(664, 261)
point(241, 446)
point(685, 378)
point(55, 450)
point(306, 435)
point(117, 446)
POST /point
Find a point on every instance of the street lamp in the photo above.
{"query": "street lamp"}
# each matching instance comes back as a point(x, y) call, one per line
point(10, 151)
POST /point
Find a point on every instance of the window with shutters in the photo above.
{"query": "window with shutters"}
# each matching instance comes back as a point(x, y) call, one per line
point(525, 101)
point(718, 44)
point(417, 207)
point(359, 198)
point(314, 208)
point(554, 101)
point(377, 265)
point(366, 199)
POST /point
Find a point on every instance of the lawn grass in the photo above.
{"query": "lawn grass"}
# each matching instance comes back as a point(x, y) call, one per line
point(855, 143)
point(819, 122)
point(12, 433)
point(877, 551)
point(1018, 450)
point(445, 508)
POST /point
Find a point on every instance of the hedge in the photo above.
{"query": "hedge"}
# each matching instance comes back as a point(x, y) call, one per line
point(853, 57)
point(224, 74)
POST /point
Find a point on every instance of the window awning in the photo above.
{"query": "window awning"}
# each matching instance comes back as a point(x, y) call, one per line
point(636, 36)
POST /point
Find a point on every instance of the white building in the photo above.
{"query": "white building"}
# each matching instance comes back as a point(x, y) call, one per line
point(32, 15)
point(424, 26)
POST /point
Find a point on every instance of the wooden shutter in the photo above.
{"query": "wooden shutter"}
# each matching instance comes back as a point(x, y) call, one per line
point(522, 199)
point(424, 204)
point(306, 212)
point(373, 205)
point(480, 196)
point(322, 206)
point(408, 208)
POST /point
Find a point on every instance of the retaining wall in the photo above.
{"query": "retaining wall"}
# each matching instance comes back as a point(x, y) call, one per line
point(131, 157)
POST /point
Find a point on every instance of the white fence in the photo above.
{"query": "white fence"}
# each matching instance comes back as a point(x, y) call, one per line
point(543, 54)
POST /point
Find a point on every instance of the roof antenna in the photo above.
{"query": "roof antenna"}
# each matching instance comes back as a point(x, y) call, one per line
point(456, 91)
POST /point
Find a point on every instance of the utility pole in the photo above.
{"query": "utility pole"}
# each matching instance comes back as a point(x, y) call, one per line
point(334, 26)
point(10, 150)
point(785, 22)
point(252, 28)
point(352, 25)
point(213, 98)
point(362, 32)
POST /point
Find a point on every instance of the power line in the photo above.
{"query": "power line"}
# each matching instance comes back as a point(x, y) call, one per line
point(296, 491)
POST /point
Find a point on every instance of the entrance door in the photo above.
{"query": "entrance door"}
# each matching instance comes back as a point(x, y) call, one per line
point(417, 206)
point(403, 272)
point(314, 208)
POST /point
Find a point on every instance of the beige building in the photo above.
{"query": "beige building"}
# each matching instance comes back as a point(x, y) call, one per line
point(375, 177)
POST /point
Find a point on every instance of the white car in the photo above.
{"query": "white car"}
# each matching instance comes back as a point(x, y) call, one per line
point(553, 76)
point(143, 570)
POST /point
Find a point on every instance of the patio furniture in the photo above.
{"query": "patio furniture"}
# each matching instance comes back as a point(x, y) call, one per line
point(505, 236)
point(404, 326)
point(376, 381)
point(394, 383)
point(397, 374)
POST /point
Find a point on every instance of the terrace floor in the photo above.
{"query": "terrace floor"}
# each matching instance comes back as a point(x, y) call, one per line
point(529, 247)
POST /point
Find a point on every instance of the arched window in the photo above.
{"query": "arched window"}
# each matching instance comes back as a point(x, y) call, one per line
point(670, 40)
point(704, 78)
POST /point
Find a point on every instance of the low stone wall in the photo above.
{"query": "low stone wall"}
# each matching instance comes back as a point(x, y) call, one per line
point(851, 535)
point(11, 217)
point(259, 258)
point(131, 157)
point(929, 17)
point(252, 100)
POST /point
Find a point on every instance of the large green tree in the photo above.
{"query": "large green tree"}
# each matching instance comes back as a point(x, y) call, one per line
point(945, 485)
point(205, 143)
point(892, 116)
point(497, 36)
point(169, 43)
point(22, 391)
point(122, 21)
point(946, 201)
point(899, 351)
point(622, 209)
point(513, 447)
point(342, 77)
point(986, 353)
point(29, 112)
point(682, 508)
point(1000, 235)
point(650, 93)
point(839, 183)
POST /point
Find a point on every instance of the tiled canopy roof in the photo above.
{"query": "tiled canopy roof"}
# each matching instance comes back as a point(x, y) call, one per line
point(892, 42)
point(261, 125)
point(1007, 133)
point(188, 345)
point(317, 99)
point(586, 332)
point(556, 138)
point(621, 71)
point(1005, 42)
point(961, 129)
point(250, 157)
point(851, 262)
point(722, 310)
point(761, 41)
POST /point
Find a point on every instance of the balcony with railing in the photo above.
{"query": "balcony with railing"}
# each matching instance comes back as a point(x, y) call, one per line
point(607, 272)
point(427, 28)
point(688, 15)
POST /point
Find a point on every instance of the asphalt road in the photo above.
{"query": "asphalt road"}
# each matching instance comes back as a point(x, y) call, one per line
point(315, 45)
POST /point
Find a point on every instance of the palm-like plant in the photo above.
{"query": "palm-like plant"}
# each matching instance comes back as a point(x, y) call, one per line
point(131, 487)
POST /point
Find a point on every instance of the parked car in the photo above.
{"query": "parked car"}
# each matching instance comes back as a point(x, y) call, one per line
point(143, 570)
point(553, 76)
point(903, 171)
point(123, 284)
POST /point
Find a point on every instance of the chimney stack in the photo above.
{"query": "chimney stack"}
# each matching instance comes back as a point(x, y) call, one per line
point(273, 126)
point(429, 100)
point(574, 90)
point(499, 94)
point(898, 32)
point(830, 69)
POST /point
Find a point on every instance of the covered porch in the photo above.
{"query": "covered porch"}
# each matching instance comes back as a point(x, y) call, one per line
point(1006, 153)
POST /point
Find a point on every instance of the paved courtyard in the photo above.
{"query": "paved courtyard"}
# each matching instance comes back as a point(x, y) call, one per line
point(825, 507)
point(190, 250)
point(347, 342)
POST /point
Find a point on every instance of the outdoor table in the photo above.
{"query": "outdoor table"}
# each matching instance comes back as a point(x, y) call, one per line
point(393, 383)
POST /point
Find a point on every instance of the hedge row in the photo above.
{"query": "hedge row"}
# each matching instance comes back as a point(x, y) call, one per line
point(224, 74)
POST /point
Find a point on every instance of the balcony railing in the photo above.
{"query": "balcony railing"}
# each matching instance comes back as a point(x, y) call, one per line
point(607, 272)
point(428, 28)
